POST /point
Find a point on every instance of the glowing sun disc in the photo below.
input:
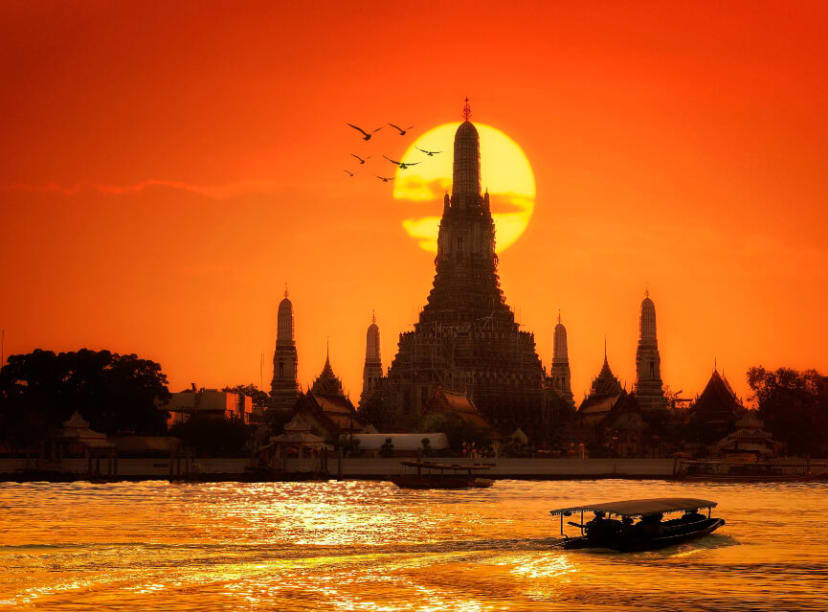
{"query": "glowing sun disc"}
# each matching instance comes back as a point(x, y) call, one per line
point(504, 171)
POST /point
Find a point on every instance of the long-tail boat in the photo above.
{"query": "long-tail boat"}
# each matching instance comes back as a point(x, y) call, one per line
point(650, 532)
point(434, 475)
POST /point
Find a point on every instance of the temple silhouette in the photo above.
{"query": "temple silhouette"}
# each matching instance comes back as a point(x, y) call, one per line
point(466, 341)
point(466, 338)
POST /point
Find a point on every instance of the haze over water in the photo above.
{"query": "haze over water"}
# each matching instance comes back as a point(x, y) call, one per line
point(371, 546)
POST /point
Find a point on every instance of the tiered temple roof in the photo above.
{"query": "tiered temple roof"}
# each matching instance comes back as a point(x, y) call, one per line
point(717, 405)
point(327, 383)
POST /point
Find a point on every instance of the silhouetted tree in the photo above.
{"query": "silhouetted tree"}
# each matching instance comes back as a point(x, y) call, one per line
point(40, 390)
point(793, 406)
point(376, 412)
point(213, 437)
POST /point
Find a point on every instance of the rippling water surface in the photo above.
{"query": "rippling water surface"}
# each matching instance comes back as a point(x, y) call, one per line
point(371, 546)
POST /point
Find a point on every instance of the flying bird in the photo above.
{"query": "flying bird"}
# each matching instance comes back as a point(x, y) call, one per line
point(402, 165)
point(366, 135)
point(385, 179)
point(349, 173)
point(401, 130)
point(429, 153)
point(361, 161)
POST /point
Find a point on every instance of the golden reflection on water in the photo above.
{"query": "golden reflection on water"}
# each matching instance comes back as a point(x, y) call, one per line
point(369, 546)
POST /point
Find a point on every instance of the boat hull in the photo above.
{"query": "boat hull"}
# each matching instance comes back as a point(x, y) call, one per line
point(413, 481)
point(633, 543)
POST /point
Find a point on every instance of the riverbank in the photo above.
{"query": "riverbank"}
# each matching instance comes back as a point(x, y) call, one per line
point(238, 469)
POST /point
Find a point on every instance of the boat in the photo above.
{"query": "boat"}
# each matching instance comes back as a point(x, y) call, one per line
point(433, 475)
point(649, 533)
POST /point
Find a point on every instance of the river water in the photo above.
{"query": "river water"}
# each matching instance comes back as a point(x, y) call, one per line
point(369, 546)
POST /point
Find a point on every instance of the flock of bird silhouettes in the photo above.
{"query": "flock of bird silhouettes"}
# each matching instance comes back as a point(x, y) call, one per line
point(401, 165)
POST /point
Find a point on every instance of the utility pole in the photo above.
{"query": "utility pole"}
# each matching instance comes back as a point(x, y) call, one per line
point(2, 348)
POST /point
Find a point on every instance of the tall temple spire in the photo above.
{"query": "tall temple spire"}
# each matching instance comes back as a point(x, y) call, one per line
point(466, 110)
point(466, 337)
point(648, 386)
point(372, 371)
point(560, 378)
point(284, 388)
point(466, 168)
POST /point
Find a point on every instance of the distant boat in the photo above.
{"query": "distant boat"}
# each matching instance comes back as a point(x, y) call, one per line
point(649, 533)
point(433, 475)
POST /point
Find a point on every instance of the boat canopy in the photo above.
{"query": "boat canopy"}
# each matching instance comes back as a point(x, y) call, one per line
point(641, 507)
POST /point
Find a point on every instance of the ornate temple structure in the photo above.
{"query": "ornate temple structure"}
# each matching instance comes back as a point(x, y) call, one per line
point(326, 405)
point(327, 383)
point(284, 389)
point(466, 339)
point(560, 379)
point(372, 370)
point(648, 386)
point(605, 393)
point(715, 412)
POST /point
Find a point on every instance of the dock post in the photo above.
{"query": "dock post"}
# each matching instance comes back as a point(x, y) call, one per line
point(339, 462)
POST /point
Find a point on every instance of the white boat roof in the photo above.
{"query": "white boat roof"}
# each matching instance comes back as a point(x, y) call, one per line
point(641, 507)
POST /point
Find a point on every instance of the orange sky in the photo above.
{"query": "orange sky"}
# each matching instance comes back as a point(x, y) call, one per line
point(164, 170)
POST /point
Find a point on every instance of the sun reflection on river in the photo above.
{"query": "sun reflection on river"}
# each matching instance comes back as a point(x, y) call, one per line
point(371, 546)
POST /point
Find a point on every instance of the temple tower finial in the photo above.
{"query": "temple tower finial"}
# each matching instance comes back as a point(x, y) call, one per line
point(466, 110)
point(286, 291)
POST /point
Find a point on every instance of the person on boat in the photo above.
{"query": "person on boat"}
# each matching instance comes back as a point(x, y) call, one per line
point(596, 521)
point(692, 516)
point(600, 527)
point(650, 525)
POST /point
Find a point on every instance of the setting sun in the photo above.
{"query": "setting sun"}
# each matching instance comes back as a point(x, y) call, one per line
point(505, 172)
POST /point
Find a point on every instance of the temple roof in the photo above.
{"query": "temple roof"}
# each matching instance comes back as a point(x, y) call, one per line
point(327, 382)
point(598, 404)
point(717, 403)
point(605, 383)
point(460, 405)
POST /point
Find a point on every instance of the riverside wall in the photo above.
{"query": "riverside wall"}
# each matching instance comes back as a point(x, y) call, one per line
point(359, 468)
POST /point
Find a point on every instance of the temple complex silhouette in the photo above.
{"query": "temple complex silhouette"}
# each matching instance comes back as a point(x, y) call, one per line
point(466, 339)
